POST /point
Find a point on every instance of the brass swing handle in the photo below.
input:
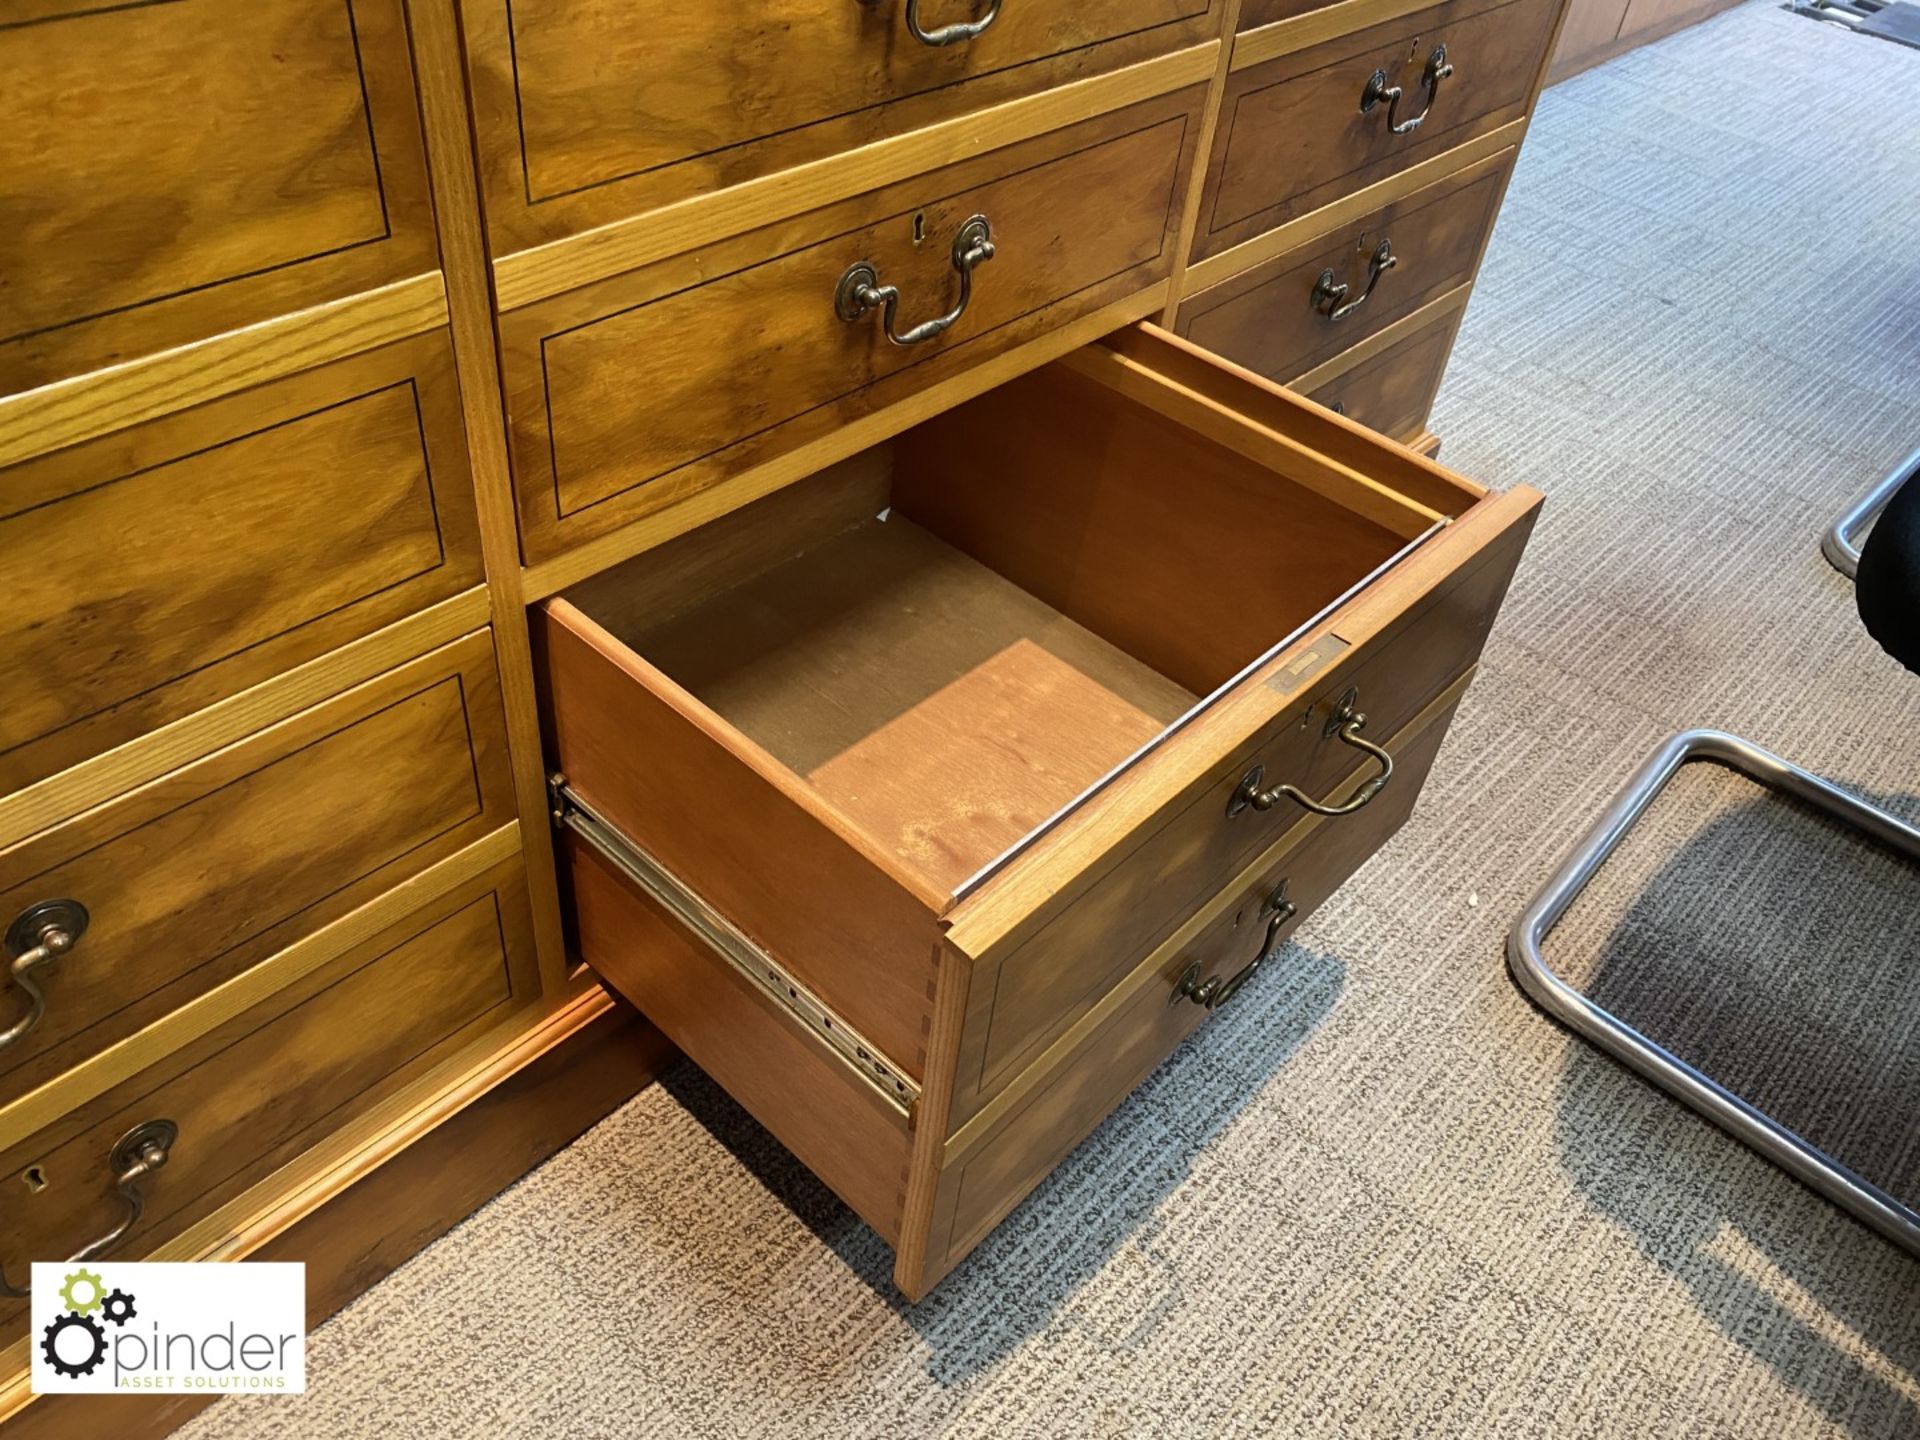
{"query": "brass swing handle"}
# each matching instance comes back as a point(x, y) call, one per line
point(135, 1156)
point(1329, 291)
point(1377, 90)
point(1347, 724)
point(860, 291)
point(1215, 991)
point(39, 935)
point(948, 34)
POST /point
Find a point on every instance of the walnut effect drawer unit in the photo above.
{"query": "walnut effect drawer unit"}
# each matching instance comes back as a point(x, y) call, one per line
point(589, 111)
point(1283, 317)
point(272, 1081)
point(940, 744)
point(627, 396)
point(1304, 128)
point(226, 544)
point(175, 170)
point(191, 879)
point(1393, 390)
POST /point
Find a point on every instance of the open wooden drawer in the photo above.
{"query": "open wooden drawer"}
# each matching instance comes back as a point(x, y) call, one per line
point(886, 784)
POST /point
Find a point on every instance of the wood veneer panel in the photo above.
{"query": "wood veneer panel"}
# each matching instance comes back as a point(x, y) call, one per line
point(257, 1091)
point(564, 146)
point(247, 536)
point(196, 877)
point(633, 394)
point(1293, 135)
point(191, 167)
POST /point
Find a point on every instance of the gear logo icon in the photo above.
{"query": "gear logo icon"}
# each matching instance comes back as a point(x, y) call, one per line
point(83, 1292)
point(63, 1364)
point(75, 1341)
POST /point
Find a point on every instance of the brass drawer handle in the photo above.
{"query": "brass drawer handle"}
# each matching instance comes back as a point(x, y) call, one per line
point(1329, 291)
point(946, 34)
point(1214, 991)
point(860, 291)
point(39, 935)
point(135, 1156)
point(1347, 723)
point(1377, 90)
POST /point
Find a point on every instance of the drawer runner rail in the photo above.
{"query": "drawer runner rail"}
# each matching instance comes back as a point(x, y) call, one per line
point(859, 1055)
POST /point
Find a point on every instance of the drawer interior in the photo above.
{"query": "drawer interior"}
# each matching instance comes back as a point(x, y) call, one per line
point(954, 638)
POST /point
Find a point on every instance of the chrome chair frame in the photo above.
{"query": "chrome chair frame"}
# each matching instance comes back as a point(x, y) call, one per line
point(1692, 1087)
point(1841, 544)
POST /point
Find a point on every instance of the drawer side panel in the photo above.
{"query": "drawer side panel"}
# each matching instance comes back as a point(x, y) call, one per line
point(780, 1074)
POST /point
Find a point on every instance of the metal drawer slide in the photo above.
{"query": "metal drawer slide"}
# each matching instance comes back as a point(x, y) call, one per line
point(860, 1056)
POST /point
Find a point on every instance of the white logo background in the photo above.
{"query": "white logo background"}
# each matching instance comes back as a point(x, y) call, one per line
point(218, 1328)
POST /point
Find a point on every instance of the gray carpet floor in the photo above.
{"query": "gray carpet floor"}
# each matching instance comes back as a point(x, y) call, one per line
point(1380, 1195)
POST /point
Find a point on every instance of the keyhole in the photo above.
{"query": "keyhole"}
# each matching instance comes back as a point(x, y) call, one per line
point(36, 1178)
point(920, 228)
point(1413, 51)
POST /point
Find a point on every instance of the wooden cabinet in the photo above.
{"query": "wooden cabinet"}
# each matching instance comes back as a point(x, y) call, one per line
point(942, 669)
point(983, 717)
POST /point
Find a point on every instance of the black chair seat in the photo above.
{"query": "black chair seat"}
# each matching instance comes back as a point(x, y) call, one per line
point(1887, 587)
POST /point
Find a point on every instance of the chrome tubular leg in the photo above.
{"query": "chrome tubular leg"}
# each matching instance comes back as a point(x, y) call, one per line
point(1841, 544)
point(1609, 1033)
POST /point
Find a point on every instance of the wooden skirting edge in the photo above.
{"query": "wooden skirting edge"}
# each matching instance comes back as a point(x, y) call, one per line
point(1350, 208)
point(1297, 32)
point(62, 796)
point(550, 577)
point(104, 1069)
point(1434, 312)
point(530, 275)
point(1064, 1050)
point(69, 411)
point(358, 1206)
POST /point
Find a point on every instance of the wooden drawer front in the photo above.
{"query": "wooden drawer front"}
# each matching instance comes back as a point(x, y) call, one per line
point(1274, 319)
point(276, 1079)
point(1071, 951)
point(992, 1163)
point(1392, 392)
point(200, 875)
point(1295, 137)
point(735, 92)
point(179, 169)
point(632, 394)
point(785, 1077)
point(197, 555)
